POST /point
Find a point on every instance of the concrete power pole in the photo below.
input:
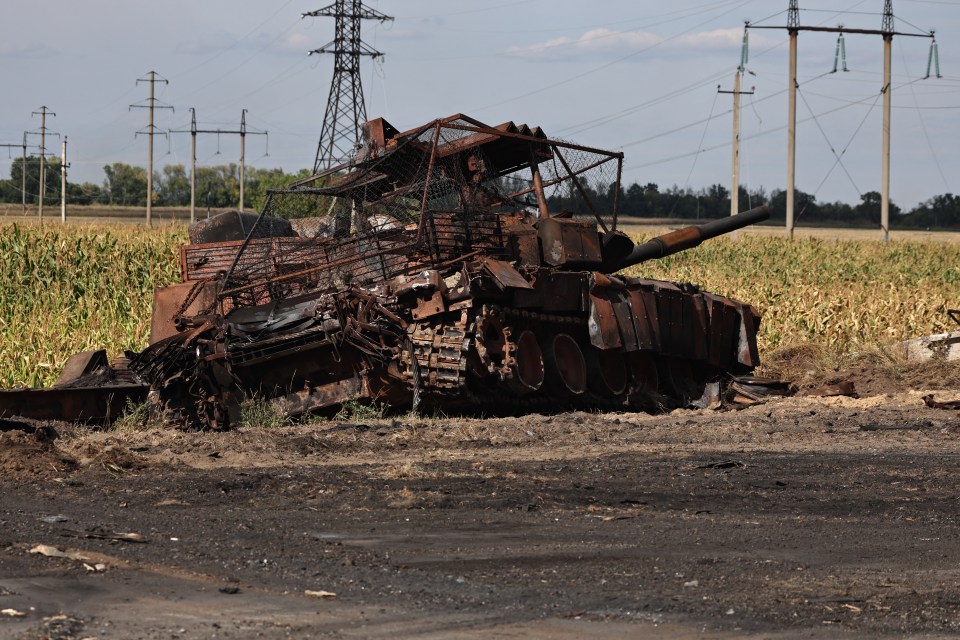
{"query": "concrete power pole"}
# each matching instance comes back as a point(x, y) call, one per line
point(793, 25)
point(153, 78)
point(23, 169)
point(243, 137)
point(43, 113)
point(887, 31)
point(735, 160)
point(63, 181)
point(193, 165)
point(193, 131)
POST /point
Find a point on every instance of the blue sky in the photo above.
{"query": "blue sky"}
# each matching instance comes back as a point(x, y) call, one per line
point(631, 75)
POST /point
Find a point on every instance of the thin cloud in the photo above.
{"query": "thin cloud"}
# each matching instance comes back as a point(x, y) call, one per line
point(593, 42)
point(391, 33)
point(602, 42)
point(220, 41)
point(29, 52)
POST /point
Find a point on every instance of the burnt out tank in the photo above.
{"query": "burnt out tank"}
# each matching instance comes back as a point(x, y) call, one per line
point(455, 266)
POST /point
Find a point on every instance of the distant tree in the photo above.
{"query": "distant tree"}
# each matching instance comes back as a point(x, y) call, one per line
point(260, 181)
point(805, 205)
point(125, 185)
point(173, 186)
point(218, 186)
point(937, 212)
point(11, 191)
point(869, 208)
point(85, 193)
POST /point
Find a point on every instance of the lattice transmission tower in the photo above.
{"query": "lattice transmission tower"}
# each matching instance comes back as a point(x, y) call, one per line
point(346, 111)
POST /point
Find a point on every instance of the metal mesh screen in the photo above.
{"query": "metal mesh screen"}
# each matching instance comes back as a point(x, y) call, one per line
point(425, 198)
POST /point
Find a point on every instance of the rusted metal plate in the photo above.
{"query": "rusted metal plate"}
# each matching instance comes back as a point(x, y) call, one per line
point(696, 323)
point(747, 344)
point(70, 404)
point(602, 323)
point(645, 324)
point(724, 330)
point(168, 301)
point(669, 300)
point(569, 242)
point(427, 307)
point(524, 246)
point(555, 291)
point(625, 321)
point(81, 364)
point(504, 275)
point(320, 397)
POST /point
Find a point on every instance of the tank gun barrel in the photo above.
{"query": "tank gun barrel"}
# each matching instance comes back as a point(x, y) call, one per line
point(690, 237)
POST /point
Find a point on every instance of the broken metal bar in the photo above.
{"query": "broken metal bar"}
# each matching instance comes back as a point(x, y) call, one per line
point(580, 188)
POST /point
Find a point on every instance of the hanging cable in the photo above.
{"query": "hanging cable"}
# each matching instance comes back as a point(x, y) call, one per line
point(849, 142)
point(832, 150)
point(696, 156)
point(923, 124)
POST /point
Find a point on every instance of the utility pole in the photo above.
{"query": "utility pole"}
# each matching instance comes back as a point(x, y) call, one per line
point(887, 31)
point(153, 78)
point(23, 168)
point(43, 113)
point(243, 138)
point(793, 26)
point(193, 131)
point(23, 175)
point(63, 181)
point(346, 111)
point(193, 164)
point(735, 171)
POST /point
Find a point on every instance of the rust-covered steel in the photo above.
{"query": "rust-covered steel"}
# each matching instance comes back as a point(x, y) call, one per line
point(442, 267)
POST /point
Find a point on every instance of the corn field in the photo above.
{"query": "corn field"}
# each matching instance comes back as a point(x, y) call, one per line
point(844, 295)
point(65, 290)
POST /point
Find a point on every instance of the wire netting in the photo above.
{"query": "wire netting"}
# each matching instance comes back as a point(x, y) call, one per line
point(423, 199)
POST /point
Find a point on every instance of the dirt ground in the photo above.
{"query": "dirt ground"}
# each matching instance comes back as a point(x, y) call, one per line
point(805, 517)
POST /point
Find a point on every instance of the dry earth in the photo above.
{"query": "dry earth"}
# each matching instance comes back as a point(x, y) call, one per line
point(797, 518)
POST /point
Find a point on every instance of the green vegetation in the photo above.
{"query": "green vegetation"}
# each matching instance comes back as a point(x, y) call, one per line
point(126, 185)
point(844, 295)
point(65, 290)
point(69, 289)
point(218, 187)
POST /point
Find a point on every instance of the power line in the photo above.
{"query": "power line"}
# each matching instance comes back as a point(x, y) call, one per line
point(346, 111)
point(608, 64)
point(243, 131)
point(887, 31)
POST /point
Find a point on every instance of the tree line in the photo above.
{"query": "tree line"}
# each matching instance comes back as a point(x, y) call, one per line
point(650, 201)
point(125, 185)
point(219, 187)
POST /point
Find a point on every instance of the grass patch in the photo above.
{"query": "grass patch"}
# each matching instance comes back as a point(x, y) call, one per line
point(355, 410)
point(136, 416)
point(259, 412)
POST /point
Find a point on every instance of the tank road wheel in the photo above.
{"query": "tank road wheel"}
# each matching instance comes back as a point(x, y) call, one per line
point(491, 342)
point(643, 371)
point(523, 365)
point(608, 371)
point(566, 366)
point(682, 382)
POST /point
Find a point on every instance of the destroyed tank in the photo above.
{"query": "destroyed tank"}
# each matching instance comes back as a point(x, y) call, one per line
point(456, 266)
